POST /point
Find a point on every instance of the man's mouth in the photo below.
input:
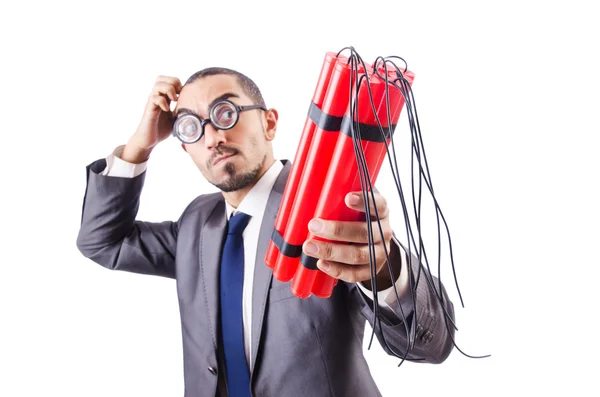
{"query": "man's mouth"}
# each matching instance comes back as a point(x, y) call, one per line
point(221, 158)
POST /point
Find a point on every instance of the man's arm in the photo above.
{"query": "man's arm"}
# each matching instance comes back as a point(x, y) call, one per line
point(410, 312)
point(433, 323)
point(109, 234)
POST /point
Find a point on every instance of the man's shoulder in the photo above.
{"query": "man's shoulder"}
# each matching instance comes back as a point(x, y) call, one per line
point(206, 199)
point(203, 204)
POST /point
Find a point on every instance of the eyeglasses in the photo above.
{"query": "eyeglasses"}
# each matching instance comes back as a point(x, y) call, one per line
point(223, 115)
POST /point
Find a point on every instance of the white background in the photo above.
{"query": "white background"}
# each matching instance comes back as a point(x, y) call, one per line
point(507, 94)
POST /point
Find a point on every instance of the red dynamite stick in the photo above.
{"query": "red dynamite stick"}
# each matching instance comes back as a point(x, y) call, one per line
point(309, 279)
point(328, 120)
point(315, 168)
point(291, 187)
point(343, 175)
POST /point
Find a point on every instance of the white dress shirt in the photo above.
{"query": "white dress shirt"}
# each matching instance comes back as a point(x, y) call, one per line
point(253, 204)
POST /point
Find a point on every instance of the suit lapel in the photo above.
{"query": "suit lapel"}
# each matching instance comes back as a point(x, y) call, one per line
point(210, 252)
point(262, 273)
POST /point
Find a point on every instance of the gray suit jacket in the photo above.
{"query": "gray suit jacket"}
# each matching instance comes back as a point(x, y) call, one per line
point(301, 347)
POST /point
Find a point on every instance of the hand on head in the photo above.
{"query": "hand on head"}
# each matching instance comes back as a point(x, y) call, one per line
point(157, 121)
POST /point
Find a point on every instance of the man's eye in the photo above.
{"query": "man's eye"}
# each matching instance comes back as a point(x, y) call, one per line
point(225, 117)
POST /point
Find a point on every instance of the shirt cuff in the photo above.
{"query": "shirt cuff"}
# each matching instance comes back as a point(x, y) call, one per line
point(382, 302)
point(119, 168)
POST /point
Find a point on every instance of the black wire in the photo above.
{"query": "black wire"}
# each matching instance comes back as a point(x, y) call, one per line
point(407, 220)
point(417, 149)
point(422, 251)
point(400, 58)
point(353, 61)
point(352, 106)
point(415, 131)
point(421, 247)
point(364, 176)
point(438, 209)
point(410, 333)
point(345, 48)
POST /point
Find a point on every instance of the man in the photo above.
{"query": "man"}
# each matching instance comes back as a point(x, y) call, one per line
point(244, 332)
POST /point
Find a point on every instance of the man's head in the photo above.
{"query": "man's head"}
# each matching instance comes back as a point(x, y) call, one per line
point(235, 158)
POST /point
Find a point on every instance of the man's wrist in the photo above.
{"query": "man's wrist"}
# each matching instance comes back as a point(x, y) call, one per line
point(384, 280)
point(133, 154)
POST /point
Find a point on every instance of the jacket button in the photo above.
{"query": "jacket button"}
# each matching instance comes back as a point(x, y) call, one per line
point(426, 337)
point(419, 330)
point(212, 370)
point(430, 338)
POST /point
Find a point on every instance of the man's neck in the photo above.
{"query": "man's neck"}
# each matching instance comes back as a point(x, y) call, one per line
point(235, 198)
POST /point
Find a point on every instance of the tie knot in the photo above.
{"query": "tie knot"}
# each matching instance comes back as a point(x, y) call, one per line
point(238, 222)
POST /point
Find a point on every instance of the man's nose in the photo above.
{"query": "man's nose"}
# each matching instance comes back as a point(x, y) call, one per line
point(212, 136)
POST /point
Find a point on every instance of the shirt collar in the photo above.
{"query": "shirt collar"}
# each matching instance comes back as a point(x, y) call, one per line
point(256, 200)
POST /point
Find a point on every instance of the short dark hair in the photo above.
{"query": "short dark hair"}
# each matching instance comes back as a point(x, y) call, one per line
point(249, 87)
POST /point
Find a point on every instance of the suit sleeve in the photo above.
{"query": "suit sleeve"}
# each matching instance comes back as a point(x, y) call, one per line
point(432, 322)
point(111, 236)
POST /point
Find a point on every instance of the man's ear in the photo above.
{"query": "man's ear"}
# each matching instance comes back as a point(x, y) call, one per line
point(271, 117)
point(183, 147)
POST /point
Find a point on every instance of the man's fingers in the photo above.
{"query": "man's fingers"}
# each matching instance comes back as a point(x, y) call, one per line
point(160, 102)
point(174, 81)
point(354, 232)
point(355, 200)
point(343, 253)
point(342, 271)
point(165, 89)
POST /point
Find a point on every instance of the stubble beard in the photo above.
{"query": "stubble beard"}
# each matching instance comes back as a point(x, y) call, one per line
point(237, 181)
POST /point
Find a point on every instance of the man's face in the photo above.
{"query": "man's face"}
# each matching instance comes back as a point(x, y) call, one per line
point(230, 159)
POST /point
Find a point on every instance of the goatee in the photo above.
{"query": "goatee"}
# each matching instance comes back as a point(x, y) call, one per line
point(238, 181)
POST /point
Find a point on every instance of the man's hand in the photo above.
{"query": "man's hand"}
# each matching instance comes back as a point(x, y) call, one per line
point(350, 262)
point(157, 122)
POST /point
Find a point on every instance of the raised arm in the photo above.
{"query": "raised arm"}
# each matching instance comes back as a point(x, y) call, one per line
point(109, 234)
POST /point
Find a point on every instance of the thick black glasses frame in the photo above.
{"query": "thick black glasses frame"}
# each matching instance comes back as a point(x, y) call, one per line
point(203, 122)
